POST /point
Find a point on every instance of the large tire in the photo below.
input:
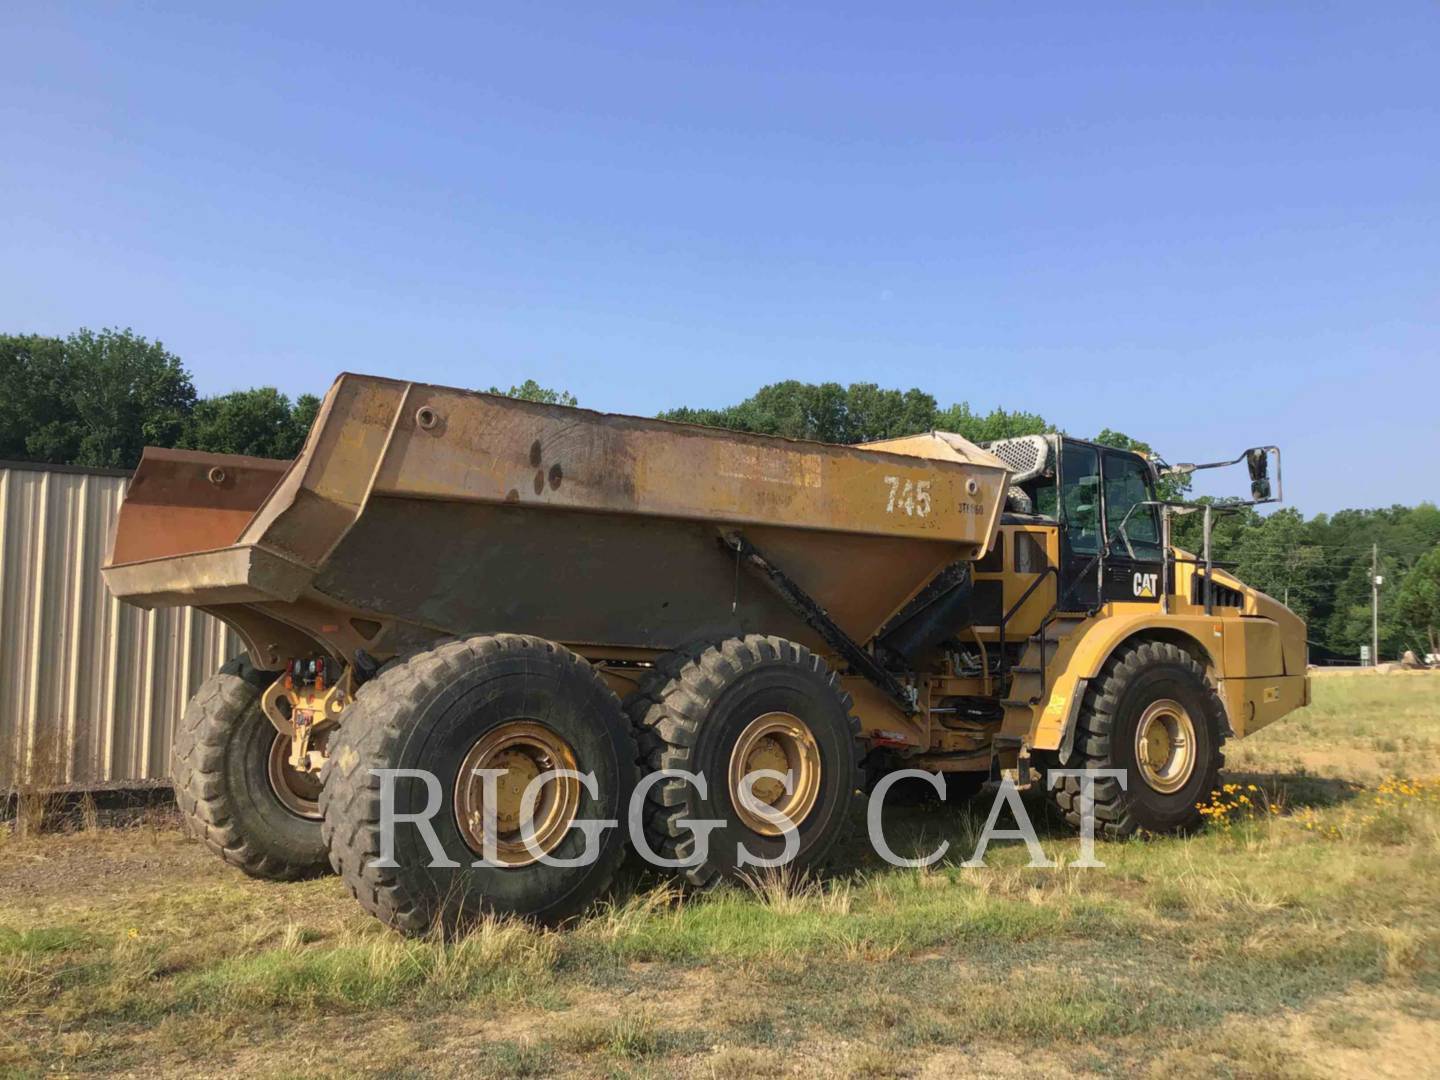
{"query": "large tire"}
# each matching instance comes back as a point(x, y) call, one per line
point(431, 712)
point(1146, 680)
point(219, 763)
point(691, 715)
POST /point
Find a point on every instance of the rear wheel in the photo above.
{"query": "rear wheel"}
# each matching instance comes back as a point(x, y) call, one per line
point(234, 784)
point(731, 710)
point(1152, 714)
point(516, 707)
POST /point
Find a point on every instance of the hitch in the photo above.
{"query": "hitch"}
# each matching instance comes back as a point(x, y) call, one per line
point(305, 702)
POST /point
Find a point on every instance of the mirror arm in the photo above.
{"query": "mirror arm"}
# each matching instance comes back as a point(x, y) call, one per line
point(1185, 469)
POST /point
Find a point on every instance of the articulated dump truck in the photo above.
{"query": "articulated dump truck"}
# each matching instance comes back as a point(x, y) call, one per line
point(491, 645)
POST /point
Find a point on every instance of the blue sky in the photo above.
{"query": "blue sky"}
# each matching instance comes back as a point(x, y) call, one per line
point(1207, 225)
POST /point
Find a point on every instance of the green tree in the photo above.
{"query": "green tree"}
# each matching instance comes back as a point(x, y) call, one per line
point(793, 409)
point(303, 413)
point(129, 393)
point(1276, 555)
point(1227, 526)
point(1416, 608)
point(37, 420)
point(260, 422)
point(870, 413)
point(530, 390)
point(996, 424)
point(861, 412)
point(97, 399)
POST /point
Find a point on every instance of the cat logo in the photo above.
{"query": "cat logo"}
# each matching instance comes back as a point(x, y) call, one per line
point(1145, 585)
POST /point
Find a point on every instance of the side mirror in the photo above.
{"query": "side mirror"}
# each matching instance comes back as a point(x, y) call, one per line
point(1258, 461)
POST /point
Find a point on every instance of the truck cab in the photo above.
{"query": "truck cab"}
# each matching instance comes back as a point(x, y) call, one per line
point(1083, 567)
point(1099, 499)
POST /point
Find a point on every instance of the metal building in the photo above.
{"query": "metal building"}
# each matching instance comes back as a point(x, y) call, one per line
point(90, 689)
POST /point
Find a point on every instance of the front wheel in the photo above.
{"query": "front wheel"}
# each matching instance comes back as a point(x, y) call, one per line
point(1152, 715)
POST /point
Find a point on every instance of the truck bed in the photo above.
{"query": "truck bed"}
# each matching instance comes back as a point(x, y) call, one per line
point(416, 511)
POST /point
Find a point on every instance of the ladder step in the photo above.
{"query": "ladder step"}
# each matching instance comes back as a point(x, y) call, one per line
point(1026, 669)
point(1011, 703)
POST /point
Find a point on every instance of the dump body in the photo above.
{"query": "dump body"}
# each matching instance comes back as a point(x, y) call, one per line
point(417, 511)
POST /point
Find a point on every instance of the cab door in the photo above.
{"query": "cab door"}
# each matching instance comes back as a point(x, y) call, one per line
point(1133, 569)
point(1081, 525)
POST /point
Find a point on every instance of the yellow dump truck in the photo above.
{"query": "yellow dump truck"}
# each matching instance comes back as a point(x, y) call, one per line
point(478, 629)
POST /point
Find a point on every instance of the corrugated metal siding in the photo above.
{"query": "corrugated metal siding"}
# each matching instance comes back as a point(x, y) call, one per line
point(90, 688)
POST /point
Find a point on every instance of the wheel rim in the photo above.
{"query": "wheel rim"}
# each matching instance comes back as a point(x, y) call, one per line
point(524, 750)
point(1165, 745)
point(781, 742)
point(297, 790)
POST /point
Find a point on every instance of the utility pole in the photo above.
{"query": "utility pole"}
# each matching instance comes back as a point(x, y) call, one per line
point(1375, 603)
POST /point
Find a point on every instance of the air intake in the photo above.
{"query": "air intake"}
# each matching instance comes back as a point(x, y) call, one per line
point(1026, 456)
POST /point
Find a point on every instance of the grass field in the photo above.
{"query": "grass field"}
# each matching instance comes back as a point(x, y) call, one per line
point(1298, 935)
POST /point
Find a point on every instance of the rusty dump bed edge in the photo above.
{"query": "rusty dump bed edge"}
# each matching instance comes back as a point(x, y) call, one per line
point(427, 504)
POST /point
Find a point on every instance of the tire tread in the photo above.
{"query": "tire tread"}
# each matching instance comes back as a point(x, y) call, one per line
point(1114, 812)
point(668, 709)
point(197, 763)
point(376, 724)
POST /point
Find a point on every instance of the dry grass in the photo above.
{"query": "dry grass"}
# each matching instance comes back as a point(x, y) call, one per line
point(1296, 936)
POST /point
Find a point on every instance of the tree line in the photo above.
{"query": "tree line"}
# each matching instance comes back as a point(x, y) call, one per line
point(97, 398)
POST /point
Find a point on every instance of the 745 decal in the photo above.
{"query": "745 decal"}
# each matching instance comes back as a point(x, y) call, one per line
point(910, 496)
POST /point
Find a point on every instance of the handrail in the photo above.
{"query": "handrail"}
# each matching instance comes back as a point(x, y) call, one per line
point(1170, 507)
point(1044, 622)
point(1026, 596)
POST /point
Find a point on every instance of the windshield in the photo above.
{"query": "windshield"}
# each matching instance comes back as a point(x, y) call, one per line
point(1127, 482)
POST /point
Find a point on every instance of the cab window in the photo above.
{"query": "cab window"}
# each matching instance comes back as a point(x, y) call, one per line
point(1080, 497)
point(1127, 482)
point(1043, 496)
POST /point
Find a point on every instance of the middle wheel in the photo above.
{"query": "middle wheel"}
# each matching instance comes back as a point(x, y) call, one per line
point(746, 706)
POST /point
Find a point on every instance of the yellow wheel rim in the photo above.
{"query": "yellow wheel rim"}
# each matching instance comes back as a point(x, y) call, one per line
point(780, 742)
point(1165, 746)
point(524, 750)
point(298, 792)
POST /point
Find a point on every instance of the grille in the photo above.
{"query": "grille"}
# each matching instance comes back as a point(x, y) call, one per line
point(1223, 595)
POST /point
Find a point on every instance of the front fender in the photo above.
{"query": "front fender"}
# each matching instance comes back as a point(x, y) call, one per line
point(1086, 650)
